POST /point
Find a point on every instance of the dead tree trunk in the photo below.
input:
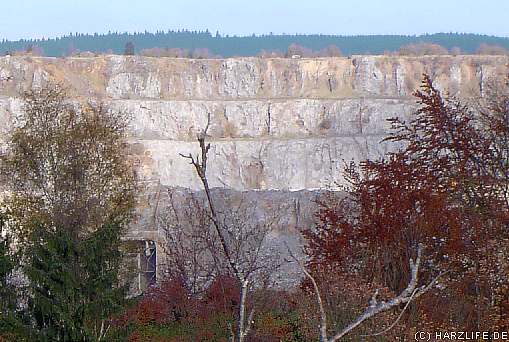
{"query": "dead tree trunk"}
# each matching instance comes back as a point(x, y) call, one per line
point(239, 272)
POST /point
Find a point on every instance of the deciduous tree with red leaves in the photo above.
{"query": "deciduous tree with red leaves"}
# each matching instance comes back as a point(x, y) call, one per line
point(444, 187)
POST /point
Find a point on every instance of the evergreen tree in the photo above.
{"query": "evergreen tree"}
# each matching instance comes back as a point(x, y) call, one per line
point(9, 319)
point(74, 283)
point(129, 49)
point(6, 268)
point(229, 46)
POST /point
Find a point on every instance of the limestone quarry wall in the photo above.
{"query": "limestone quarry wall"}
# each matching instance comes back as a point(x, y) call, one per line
point(280, 128)
point(276, 124)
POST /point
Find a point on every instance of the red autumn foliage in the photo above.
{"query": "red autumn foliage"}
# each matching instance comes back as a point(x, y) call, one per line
point(169, 308)
point(171, 302)
point(222, 296)
point(446, 188)
point(162, 304)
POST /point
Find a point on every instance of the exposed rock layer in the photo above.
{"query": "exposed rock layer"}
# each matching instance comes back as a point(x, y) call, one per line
point(276, 124)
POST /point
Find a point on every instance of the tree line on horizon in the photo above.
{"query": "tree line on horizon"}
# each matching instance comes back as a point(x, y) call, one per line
point(203, 44)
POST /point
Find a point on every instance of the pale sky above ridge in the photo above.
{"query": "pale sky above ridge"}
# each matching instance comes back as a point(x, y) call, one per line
point(50, 18)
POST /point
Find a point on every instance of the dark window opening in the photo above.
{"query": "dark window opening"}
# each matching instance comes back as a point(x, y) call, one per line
point(148, 264)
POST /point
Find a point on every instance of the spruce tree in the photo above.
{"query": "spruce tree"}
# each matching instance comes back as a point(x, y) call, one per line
point(129, 49)
point(10, 327)
point(75, 283)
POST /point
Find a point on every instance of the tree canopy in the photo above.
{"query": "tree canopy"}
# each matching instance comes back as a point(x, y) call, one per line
point(229, 46)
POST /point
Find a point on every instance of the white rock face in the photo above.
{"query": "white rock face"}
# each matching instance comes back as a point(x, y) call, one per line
point(261, 164)
point(280, 130)
point(279, 119)
point(284, 124)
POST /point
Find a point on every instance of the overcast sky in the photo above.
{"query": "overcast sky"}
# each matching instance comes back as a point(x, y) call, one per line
point(50, 18)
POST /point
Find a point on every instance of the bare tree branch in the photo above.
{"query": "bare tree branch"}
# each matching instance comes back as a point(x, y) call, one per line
point(323, 315)
point(241, 242)
point(201, 169)
point(411, 292)
point(397, 319)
